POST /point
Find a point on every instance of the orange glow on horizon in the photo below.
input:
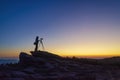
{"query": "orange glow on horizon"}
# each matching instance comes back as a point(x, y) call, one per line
point(85, 51)
point(81, 54)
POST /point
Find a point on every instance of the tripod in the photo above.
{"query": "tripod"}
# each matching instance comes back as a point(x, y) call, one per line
point(41, 43)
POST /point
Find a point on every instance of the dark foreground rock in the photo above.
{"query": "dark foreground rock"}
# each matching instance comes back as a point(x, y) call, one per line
point(47, 66)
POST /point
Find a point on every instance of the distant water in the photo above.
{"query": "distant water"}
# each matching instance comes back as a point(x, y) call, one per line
point(8, 60)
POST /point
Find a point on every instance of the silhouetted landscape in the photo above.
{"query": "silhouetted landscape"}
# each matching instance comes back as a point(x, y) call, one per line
point(42, 65)
point(37, 36)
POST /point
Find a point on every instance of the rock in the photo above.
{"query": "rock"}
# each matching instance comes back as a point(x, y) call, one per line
point(37, 76)
point(2, 75)
point(25, 58)
point(13, 79)
point(49, 66)
point(44, 54)
point(29, 70)
point(43, 65)
point(18, 74)
point(28, 60)
point(5, 74)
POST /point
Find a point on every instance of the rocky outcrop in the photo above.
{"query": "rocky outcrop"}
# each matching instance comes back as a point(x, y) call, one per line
point(41, 65)
point(36, 61)
point(25, 59)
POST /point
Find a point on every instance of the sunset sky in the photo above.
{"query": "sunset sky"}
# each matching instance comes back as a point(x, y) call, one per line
point(84, 28)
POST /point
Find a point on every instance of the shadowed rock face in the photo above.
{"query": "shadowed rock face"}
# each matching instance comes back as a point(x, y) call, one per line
point(25, 58)
point(37, 58)
point(44, 54)
point(43, 65)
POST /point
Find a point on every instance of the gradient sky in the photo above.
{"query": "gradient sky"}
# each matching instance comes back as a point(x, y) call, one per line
point(85, 28)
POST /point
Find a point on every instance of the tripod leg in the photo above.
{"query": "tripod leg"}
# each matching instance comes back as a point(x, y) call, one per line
point(42, 46)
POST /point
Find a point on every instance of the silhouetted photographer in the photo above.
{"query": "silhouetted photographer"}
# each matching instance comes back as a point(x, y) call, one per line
point(37, 42)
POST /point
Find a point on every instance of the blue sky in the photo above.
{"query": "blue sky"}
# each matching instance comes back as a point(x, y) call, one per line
point(67, 26)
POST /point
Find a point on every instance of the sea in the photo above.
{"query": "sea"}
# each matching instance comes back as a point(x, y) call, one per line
point(8, 60)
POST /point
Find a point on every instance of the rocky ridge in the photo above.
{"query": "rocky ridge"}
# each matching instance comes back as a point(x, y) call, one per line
point(41, 65)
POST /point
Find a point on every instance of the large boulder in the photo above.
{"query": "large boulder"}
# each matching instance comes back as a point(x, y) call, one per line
point(29, 60)
point(25, 58)
point(44, 54)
